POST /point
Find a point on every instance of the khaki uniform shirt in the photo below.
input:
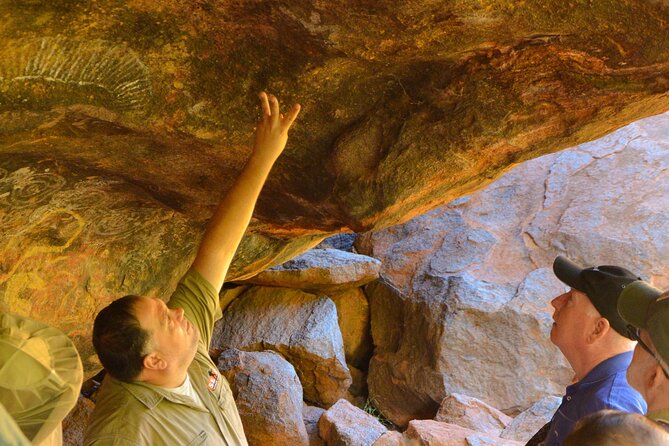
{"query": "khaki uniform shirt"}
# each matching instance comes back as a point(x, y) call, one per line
point(143, 414)
point(661, 417)
point(10, 433)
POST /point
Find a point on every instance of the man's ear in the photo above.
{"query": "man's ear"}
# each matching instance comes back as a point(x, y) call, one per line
point(656, 378)
point(600, 327)
point(153, 361)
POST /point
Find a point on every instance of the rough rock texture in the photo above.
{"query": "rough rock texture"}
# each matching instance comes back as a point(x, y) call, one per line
point(391, 438)
point(301, 326)
point(424, 349)
point(343, 241)
point(310, 416)
point(353, 318)
point(494, 294)
point(527, 423)
point(435, 433)
point(358, 390)
point(141, 113)
point(74, 424)
point(343, 424)
point(268, 395)
point(473, 414)
point(323, 269)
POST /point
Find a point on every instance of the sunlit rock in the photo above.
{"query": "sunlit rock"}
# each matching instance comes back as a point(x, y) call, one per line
point(301, 327)
point(465, 304)
point(268, 395)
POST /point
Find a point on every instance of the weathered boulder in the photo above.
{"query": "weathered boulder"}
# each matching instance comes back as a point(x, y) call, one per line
point(310, 416)
point(74, 424)
point(301, 326)
point(528, 422)
point(435, 433)
point(407, 105)
point(323, 269)
point(472, 413)
point(343, 424)
point(353, 318)
point(466, 306)
point(268, 395)
point(425, 348)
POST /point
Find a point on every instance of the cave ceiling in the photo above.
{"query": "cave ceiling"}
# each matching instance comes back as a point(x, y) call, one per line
point(122, 123)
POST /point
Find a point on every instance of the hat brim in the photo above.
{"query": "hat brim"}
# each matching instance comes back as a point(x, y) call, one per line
point(634, 301)
point(569, 273)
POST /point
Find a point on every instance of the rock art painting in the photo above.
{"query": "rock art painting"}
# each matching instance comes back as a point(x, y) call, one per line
point(58, 71)
point(60, 231)
point(123, 122)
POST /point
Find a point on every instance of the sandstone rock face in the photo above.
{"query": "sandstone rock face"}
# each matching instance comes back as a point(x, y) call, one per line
point(353, 318)
point(434, 433)
point(268, 395)
point(473, 414)
point(301, 326)
point(324, 269)
point(74, 424)
point(526, 424)
point(465, 304)
point(346, 425)
point(139, 114)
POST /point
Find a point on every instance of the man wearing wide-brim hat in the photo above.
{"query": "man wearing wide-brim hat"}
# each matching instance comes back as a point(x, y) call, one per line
point(646, 309)
point(40, 380)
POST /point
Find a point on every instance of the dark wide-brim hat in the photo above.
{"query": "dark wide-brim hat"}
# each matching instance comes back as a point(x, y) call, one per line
point(645, 307)
point(602, 284)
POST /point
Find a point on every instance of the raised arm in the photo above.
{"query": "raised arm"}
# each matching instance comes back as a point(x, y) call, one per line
point(229, 222)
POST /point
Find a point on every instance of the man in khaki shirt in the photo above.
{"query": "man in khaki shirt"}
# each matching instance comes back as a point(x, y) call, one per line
point(162, 388)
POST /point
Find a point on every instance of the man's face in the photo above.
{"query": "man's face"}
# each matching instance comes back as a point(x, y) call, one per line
point(642, 366)
point(573, 318)
point(172, 336)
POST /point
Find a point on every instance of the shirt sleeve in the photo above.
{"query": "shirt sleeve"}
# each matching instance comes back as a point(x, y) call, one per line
point(200, 303)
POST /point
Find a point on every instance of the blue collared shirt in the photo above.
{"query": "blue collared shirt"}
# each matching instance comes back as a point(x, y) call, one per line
point(605, 387)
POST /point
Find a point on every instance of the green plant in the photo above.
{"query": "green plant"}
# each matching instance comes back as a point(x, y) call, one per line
point(371, 408)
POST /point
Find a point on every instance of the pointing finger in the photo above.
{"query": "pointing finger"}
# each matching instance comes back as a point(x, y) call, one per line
point(264, 104)
point(274, 106)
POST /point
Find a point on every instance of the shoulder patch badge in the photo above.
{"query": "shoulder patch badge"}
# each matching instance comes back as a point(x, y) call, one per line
point(214, 376)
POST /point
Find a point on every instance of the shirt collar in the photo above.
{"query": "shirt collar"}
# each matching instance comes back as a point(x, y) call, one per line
point(605, 369)
point(151, 395)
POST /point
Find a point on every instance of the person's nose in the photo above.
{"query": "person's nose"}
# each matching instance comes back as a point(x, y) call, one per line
point(559, 301)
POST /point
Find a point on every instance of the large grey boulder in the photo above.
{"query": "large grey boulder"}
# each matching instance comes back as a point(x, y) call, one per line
point(321, 269)
point(343, 424)
point(268, 395)
point(465, 306)
point(437, 343)
point(302, 327)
